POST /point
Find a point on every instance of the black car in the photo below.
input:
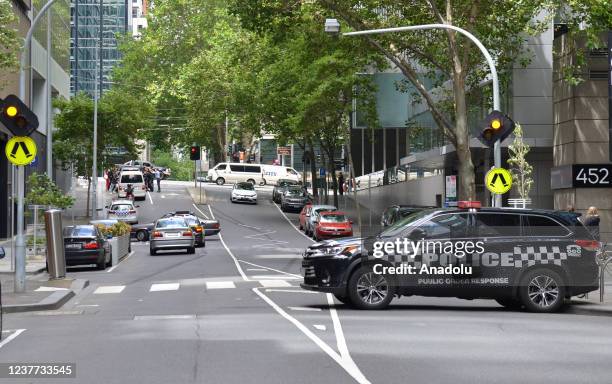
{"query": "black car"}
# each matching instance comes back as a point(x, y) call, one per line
point(281, 186)
point(519, 257)
point(209, 227)
point(141, 232)
point(395, 213)
point(84, 244)
point(294, 198)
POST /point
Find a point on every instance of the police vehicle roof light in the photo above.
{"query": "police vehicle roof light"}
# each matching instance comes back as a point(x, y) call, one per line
point(469, 204)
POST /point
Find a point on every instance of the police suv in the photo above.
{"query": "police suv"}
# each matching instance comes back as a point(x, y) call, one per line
point(519, 257)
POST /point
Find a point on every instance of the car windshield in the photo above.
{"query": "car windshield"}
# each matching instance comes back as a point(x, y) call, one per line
point(399, 226)
point(121, 207)
point(131, 179)
point(294, 192)
point(246, 186)
point(333, 218)
point(171, 223)
point(80, 231)
point(191, 221)
point(286, 183)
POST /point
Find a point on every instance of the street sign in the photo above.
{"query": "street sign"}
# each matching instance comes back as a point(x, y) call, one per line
point(321, 172)
point(20, 150)
point(283, 150)
point(498, 181)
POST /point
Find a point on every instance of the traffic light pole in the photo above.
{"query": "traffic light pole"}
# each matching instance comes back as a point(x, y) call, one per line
point(485, 52)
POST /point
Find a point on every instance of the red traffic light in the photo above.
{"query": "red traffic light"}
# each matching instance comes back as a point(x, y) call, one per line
point(195, 152)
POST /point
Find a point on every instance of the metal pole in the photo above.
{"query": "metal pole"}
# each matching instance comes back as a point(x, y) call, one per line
point(485, 52)
point(227, 154)
point(20, 241)
point(94, 168)
point(35, 228)
point(49, 106)
point(12, 222)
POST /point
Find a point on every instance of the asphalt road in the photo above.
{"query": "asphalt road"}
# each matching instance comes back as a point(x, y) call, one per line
point(234, 313)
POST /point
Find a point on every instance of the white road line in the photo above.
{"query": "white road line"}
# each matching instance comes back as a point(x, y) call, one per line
point(49, 289)
point(342, 348)
point(347, 364)
point(244, 276)
point(293, 291)
point(164, 287)
point(249, 226)
point(164, 317)
point(150, 198)
point(109, 289)
point(274, 283)
point(88, 305)
point(121, 261)
point(293, 225)
point(307, 309)
point(271, 269)
point(220, 284)
point(320, 327)
point(275, 277)
point(256, 269)
point(11, 337)
point(203, 214)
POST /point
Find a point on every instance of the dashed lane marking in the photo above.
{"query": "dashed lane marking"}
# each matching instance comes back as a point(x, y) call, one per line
point(320, 327)
point(109, 289)
point(164, 287)
point(306, 309)
point(220, 284)
point(274, 283)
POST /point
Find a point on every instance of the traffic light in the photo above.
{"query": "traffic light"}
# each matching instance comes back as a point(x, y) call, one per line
point(17, 117)
point(496, 126)
point(194, 154)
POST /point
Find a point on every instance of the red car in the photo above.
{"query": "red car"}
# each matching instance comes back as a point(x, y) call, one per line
point(303, 214)
point(332, 224)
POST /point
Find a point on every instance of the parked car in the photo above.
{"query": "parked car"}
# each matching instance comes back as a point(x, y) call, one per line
point(211, 227)
point(294, 198)
point(243, 192)
point(304, 215)
point(123, 210)
point(332, 224)
point(280, 188)
point(171, 233)
point(395, 213)
point(313, 214)
point(85, 244)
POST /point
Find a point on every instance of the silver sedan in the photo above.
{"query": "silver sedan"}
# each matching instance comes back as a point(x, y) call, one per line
point(171, 233)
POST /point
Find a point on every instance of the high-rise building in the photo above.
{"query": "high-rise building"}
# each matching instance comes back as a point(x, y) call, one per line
point(92, 59)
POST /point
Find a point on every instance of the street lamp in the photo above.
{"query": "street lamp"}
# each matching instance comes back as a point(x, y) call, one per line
point(332, 26)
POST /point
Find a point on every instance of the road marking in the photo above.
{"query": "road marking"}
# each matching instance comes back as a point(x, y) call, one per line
point(340, 340)
point(244, 276)
point(203, 214)
point(280, 256)
point(120, 261)
point(346, 363)
point(274, 277)
point(256, 269)
point(274, 283)
point(249, 226)
point(165, 317)
point(271, 269)
point(293, 225)
point(109, 289)
point(49, 289)
point(320, 327)
point(88, 305)
point(305, 309)
point(220, 284)
point(150, 198)
point(293, 291)
point(11, 337)
point(164, 287)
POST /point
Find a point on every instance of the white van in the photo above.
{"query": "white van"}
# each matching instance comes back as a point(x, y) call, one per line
point(273, 173)
point(136, 179)
point(236, 172)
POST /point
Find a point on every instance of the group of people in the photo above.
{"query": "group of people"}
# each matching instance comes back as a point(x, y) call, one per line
point(112, 179)
point(151, 174)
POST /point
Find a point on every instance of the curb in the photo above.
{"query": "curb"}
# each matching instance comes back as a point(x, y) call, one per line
point(53, 301)
point(28, 273)
point(194, 193)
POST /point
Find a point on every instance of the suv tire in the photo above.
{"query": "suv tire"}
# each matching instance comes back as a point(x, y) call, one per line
point(542, 291)
point(220, 181)
point(368, 290)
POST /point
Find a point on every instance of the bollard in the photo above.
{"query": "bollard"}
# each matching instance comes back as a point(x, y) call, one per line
point(56, 259)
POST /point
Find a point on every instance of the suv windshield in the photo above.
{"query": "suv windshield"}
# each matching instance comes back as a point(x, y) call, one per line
point(294, 192)
point(399, 226)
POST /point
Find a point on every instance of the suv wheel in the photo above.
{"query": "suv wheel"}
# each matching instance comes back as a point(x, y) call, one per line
point(368, 290)
point(220, 181)
point(542, 290)
point(251, 181)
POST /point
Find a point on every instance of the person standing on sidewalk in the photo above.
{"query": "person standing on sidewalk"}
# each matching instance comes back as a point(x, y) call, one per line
point(591, 221)
point(158, 179)
point(341, 184)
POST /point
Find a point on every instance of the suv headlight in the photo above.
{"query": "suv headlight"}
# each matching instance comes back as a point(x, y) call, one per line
point(341, 251)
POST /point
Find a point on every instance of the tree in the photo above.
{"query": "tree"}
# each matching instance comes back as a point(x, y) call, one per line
point(43, 191)
point(9, 44)
point(519, 167)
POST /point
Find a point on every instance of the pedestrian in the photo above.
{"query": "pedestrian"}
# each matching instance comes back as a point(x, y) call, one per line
point(107, 179)
point(158, 179)
point(591, 221)
point(341, 184)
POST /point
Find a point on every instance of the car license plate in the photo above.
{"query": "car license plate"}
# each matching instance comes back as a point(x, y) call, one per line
point(73, 246)
point(172, 235)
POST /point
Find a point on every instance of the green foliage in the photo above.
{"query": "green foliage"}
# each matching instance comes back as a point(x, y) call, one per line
point(181, 169)
point(43, 191)
point(118, 229)
point(519, 167)
point(9, 43)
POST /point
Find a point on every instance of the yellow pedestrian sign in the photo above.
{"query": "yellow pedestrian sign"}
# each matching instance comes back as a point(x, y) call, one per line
point(20, 150)
point(498, 181)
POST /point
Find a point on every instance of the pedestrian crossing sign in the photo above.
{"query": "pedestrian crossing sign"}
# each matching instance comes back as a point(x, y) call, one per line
point(498, 181)
point(20, 150)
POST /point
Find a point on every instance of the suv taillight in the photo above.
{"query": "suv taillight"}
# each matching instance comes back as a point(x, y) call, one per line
point(589, 245)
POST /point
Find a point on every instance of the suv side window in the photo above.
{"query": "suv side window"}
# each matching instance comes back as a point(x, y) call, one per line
point(221, 167)
point(447, 226)
point(498, 225)
point(543, 226)
point(236, 168)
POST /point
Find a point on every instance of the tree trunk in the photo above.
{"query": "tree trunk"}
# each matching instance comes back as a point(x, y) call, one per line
point(313, 171)
point(349, 153)
point(465, 165)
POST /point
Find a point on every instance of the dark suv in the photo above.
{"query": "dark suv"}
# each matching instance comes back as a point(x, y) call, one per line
point(519, 257)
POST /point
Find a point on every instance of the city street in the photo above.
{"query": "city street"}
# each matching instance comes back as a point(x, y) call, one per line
point(234, 313)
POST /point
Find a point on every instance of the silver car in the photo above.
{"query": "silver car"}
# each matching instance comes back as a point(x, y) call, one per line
point(312, 214)
point(123, 210)
point(171, 233)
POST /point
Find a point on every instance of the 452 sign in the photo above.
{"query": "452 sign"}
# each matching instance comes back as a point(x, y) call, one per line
point(592, 175)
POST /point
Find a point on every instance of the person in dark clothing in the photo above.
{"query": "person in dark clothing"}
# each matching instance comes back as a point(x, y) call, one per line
point(341, 184)
point(591, 221)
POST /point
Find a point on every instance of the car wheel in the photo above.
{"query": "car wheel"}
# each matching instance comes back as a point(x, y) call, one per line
point(101, 264)
point(542, 291)
point(152, 251)
point(141, 235)
point(220, 181)
point(343, 299)
point(263, 182)
point(368, 290)
point(191, 250)
point(509, 302)
point(251, 181)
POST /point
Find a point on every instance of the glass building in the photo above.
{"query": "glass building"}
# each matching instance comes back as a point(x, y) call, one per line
point(87, 63)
